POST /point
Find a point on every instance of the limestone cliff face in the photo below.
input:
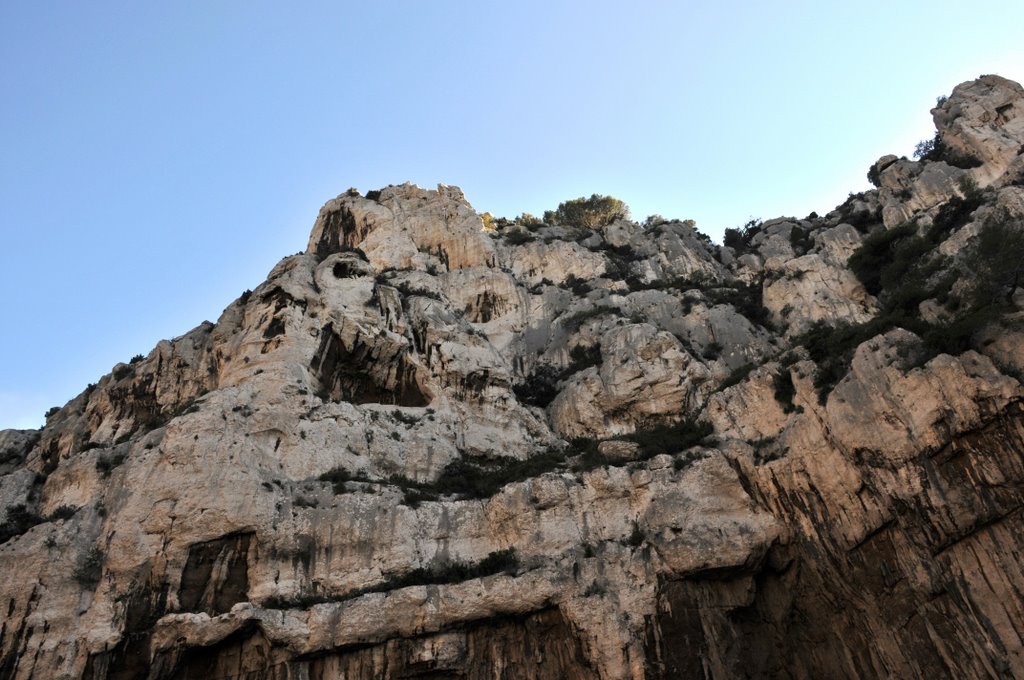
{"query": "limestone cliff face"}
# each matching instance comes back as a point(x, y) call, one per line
point(429, 448)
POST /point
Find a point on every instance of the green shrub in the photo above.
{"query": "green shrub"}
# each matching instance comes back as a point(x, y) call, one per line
point(473, 479)
point(738, 375)
point(712, 351)
point(338, 476)
point(624, 252)
point(672, 438)
point(582, 357)
point(686, 459)
point(801, 240)
point(105, 464)
point(539, 286)
point(584, 453)
point(539, 388)
point(465, 478)
point(63, 512)
point(518, 237)
point(861, 218)
point(301, 601)
point(874, 177)
point(739, 238)
point(746, 298)
point(122, 371)
point(89, 568)
point(766, 450)
point(577, 285)
point(734, 239)
point(408, 419)
point(896, 266)
point(620, 259)
point(529, 221)
point(499, 561)
point(413, 496)
point(954, 213)
point(785, 390)
point(831, 348)
point(636, 538)
point(588, 213)
point(19, 520)
point(876, 253)
point(954, 337)
point(935, 149)
point(925, 150)
point(996, 258)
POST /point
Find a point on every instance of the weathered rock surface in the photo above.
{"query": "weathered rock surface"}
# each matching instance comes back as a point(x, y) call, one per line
point(818, 287)
point(984, 118)
point(426, 449)
point(649, 376)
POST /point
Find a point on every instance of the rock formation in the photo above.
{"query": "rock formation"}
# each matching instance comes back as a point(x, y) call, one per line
point(426, 448)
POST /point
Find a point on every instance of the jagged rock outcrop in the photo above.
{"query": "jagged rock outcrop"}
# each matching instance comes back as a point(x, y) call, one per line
point(433, 447)
point(984, 119)
point(648, 377)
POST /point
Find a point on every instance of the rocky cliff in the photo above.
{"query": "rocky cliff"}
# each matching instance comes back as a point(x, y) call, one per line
point(438, 445)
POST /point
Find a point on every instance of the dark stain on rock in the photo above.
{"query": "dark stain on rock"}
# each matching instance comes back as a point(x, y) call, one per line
point(371, 371)
point(484, 307)
point(274, 328)
point(341, 232)
point(144, 604)
point(216, 575)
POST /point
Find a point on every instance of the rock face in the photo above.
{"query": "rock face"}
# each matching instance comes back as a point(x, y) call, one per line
point(426, 448)
point(984, 118)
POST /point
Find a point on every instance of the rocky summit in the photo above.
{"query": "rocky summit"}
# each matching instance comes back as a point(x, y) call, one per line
point(440, 444)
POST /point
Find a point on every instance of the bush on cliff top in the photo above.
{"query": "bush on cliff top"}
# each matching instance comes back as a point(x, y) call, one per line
point(589, 213)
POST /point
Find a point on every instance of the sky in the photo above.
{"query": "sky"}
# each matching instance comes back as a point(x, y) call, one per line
point(156, 159)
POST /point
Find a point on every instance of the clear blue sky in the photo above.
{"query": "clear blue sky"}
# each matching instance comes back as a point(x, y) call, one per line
point(159, 158)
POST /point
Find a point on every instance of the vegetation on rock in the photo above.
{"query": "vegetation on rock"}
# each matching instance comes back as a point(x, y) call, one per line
point(588, 213)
